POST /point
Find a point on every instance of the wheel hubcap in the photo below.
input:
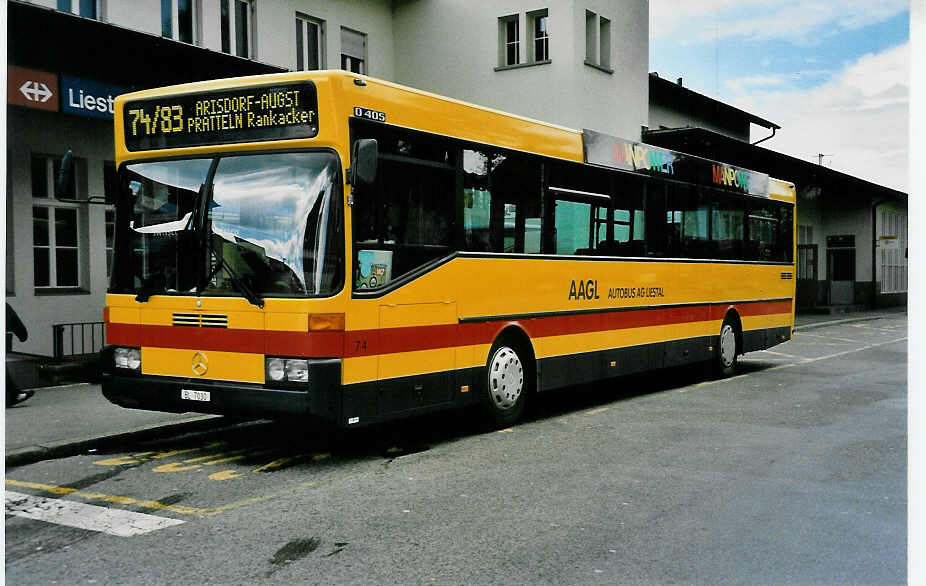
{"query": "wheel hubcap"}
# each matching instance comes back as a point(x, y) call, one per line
point(727, 345)
point(506, 378)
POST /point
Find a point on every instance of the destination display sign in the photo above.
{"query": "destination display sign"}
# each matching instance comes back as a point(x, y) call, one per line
point(276, 112)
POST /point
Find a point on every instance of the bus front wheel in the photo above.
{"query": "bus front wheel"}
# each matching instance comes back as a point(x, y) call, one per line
point(727, 357)
point(507, 383)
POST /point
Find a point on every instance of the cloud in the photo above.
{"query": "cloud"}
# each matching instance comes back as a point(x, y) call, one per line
point(744, 84)
point(859, 116)
point(799, 21)
point(764, 82)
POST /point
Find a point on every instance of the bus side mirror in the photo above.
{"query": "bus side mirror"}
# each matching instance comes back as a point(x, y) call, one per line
point(110, 184)
point(64, 187)
point(364, 159)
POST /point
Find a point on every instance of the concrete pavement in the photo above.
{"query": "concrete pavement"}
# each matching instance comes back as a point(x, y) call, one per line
point(70, 419)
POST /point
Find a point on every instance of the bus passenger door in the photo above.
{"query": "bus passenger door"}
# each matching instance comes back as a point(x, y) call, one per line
point(416, 366)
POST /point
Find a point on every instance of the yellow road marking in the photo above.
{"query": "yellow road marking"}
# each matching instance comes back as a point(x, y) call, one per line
point(597, 411)
point(251, 454)
point(179, 509)
point(142, 457)
point(225, 475)
point(96, 496)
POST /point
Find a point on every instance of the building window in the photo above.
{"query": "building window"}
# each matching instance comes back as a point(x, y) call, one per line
point(804, 234)
point(597, 41)
point(310, 43)
point(353, 51)
point(54, 241)
point(509, 40)
point(185, 17)
point(604, 42)
point(541, 34)
point(109, 179)
point(238, 16)
point(86, 8)
point(892, 250)
point(56, 225)
point(110, 221)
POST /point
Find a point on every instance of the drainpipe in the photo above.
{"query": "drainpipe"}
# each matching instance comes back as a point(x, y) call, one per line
point(767, 137)
point(874, 252)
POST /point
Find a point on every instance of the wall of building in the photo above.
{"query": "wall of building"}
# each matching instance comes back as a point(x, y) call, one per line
point(276, 25)
point(675, 116)
point(832, 215)
point(37, 132)
point(564, 91)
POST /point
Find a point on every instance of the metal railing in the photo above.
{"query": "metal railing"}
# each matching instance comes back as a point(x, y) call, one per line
point(78, 339)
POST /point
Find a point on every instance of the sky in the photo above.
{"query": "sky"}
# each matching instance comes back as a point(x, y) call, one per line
point(835, 75)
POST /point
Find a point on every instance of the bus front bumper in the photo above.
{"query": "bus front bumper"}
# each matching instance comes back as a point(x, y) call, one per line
point(318, 399)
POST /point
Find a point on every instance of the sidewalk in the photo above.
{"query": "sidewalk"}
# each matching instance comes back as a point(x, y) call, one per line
point(809, 321)
point(71, 419)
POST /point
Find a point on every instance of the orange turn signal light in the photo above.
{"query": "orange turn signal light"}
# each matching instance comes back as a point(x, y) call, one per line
point(332, 322)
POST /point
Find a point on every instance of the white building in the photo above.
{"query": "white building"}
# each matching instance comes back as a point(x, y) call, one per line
point(579, 63)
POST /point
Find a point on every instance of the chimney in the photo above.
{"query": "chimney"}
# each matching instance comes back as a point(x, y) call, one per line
point(679, 82)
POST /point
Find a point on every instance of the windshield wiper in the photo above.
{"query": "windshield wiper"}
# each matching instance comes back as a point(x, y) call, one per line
point(249, 294)
point(146, 292)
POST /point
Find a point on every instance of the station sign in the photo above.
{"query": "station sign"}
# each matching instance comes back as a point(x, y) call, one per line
point(88, 98)
point(31, 88)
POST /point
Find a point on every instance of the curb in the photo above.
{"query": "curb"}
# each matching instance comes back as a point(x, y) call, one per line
point(33, 454)
point(834, 322)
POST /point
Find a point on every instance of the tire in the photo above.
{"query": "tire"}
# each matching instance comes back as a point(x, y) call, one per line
point(509, 381)
point(727, 353)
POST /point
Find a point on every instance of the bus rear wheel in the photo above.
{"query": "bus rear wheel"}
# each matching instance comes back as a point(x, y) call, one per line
point(727, 356)
point(507, 383)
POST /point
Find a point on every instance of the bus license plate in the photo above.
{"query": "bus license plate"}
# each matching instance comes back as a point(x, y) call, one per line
point(195, 395)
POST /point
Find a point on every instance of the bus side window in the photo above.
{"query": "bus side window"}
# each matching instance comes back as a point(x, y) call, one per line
point(477, 201)
point(515, 180)
point(659, 221)
point(571, 224)
point(785, 233)
point(763, 233)
point(408, 219)
point(727, 226)
point(691, 217)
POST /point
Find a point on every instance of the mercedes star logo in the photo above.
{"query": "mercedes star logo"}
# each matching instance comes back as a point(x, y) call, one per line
point(200, 364)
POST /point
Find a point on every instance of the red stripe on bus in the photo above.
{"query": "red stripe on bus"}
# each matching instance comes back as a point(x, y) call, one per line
point(358, 343)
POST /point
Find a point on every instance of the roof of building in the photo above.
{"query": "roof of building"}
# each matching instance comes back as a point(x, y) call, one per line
point(662, 91)
point(808, 177)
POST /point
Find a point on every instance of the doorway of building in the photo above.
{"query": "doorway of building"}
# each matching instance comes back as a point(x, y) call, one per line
point(806, 275)
point(840, 269)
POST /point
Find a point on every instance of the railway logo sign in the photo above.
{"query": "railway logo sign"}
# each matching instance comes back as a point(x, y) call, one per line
point(32, 89)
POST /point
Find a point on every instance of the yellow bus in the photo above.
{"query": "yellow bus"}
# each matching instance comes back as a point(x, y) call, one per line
point(330, 245)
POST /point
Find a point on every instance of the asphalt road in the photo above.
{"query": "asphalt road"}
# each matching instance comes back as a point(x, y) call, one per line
point(793, 472)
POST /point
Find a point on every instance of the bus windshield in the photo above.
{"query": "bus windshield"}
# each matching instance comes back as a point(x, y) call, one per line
point(272, 226)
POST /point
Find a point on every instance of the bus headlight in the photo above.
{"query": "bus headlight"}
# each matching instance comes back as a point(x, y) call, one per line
point(129, 358)
point(297, 371)
point(275, 369)
point(294, 370)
